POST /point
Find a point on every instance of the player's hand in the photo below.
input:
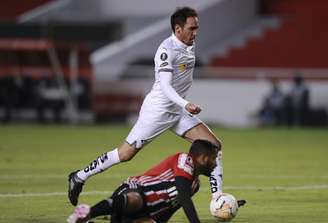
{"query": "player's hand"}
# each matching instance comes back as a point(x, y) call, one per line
point(193, 109)
point(241, 202)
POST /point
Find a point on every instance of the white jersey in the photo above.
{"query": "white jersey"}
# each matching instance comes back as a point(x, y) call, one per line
point(176, 57)
point(158, 113)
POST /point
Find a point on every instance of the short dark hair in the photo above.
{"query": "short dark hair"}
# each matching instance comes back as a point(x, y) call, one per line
point(201, 146)
point(179, 17)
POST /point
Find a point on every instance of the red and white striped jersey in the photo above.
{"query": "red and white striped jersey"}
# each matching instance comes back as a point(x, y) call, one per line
point(158, 183)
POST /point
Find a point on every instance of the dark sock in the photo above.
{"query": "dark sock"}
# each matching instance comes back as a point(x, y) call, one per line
point(104, 207)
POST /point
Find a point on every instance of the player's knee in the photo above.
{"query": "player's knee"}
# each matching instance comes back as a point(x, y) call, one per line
point(135, 202)
point(216, 142)
point(127, 203)
point(126, 157)
point(126, 153)
point(120, 203)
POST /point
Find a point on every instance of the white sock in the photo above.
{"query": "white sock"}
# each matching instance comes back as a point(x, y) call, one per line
point(216, 178)
point(103, 162)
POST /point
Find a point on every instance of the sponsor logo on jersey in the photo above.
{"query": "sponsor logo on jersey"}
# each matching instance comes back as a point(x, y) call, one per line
point(163, 56)
point(164, 64)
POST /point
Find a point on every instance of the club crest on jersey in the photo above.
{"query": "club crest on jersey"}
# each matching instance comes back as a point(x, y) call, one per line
point(183, 66)
point(163, 56)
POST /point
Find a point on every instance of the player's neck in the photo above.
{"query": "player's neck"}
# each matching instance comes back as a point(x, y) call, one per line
point(180, 42)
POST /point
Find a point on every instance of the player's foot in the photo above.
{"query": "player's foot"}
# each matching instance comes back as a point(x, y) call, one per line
point(241, 203)
point(75, 186)
point(81, 214)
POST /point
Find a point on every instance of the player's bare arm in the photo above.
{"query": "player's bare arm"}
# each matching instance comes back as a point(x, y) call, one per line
point(184, 198)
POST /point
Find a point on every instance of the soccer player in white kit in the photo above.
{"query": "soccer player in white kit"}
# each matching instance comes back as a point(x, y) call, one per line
point(164, 107)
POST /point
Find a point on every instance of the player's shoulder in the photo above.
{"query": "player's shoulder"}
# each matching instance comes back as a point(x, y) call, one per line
point(167, 46)
point(185, 162)
point(168, 43)
point(185, 157)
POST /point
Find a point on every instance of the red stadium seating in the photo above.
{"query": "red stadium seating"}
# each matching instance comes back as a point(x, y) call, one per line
point(301, 41)
point(296, 7)
point(115, 107)
point(30, 57)
point(11, 9)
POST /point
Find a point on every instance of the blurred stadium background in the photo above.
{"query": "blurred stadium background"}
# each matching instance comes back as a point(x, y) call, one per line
point(90, 62)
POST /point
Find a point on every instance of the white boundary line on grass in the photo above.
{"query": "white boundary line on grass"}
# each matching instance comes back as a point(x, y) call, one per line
point(51, 194)
point(53, 176)
point(258, 188)
point(125, 175)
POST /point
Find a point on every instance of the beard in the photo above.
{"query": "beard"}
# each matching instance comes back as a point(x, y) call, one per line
point(205, 170)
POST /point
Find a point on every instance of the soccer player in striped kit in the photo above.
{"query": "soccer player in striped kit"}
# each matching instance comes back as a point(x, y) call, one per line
point(164, 108)
point(157, 194)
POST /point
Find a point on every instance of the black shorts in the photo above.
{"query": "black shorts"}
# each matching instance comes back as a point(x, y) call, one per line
point(124, 189)
point(163, 209)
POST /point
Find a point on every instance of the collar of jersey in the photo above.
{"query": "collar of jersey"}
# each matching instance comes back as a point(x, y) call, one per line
point(180, 43)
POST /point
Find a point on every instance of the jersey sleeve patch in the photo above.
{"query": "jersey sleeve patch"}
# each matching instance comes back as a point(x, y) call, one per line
point(163, 56)
point(185, 166)
point(164, 64)
point(163, 60)
point(165, 70)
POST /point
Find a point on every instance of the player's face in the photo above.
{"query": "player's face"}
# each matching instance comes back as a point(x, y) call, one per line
point(207, 164)
point(187, 34)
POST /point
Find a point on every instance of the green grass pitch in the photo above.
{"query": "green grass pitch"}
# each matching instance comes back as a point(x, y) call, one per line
point(282, 173)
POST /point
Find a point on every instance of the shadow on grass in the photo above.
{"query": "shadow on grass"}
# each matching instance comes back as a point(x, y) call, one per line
point(31, 220)
point(106, 220)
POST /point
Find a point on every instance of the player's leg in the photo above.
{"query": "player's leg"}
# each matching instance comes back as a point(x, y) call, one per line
point(76, 179)
point(124, 202)
point(121, 154)
point(201, 131)
point(145, 130)
point(192, 128)
point(125, 152)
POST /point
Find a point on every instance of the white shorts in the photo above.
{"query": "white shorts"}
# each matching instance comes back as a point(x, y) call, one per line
point(150, 124)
